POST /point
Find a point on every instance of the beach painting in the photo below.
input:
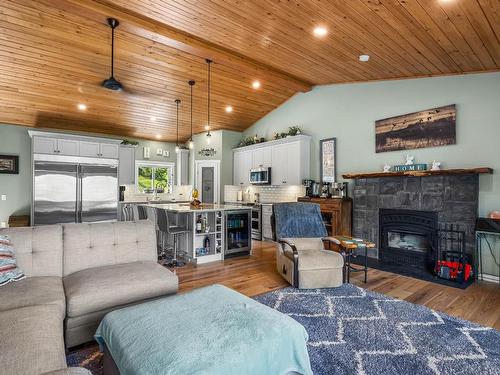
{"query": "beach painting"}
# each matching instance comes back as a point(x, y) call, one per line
point(430, 128)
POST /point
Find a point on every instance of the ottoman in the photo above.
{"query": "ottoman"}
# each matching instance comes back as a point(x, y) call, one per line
point(211, 330)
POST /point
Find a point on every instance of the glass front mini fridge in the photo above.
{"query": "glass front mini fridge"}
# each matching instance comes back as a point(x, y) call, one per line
point(238, 228)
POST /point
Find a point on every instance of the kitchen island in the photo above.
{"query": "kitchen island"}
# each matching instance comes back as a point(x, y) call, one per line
point(215, 231)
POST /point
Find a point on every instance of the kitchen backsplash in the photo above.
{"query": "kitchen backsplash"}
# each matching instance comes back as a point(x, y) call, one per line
point(267, 194)
point(179, 193)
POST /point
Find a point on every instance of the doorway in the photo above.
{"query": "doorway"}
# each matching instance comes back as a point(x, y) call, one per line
point(208, 180)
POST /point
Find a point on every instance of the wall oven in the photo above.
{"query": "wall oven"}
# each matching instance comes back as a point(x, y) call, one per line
point(260, 176)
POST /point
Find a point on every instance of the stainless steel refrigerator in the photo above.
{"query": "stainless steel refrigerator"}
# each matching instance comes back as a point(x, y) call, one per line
point(73, 191)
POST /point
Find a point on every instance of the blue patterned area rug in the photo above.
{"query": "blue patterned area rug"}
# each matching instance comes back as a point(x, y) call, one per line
point(355, 331)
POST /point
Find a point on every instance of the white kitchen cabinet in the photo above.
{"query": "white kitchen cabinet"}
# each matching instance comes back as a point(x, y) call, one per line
point(73, 145)
point(69, 147)
point(89, 149)
point(279, 165)
point(48, 145)
point(108, 150)
point(99, 150)
point(289, 159)
point(126, 165)
point(293, 164)
point(44, 145)
point(262, 157)
point(267, 230)
point(242, 163)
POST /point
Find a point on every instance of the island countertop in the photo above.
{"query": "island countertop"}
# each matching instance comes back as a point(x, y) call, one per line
point(187, 208)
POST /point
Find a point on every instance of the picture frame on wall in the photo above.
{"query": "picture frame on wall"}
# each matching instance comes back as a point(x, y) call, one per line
point(328, 160)
point(9, 164)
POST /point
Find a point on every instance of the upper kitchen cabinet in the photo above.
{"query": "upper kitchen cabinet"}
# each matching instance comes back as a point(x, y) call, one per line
point(126, 165)
point(262, 157)
point(48, 145)
point(288, 166)
point(242, 163)
point(288, 158)
point(99, 150)
point(73, 145)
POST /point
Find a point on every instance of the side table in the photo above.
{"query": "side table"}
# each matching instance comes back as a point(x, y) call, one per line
point(348, 245)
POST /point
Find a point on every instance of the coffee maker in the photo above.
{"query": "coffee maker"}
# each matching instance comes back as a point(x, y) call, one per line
point(309, 187)
point(338, 190)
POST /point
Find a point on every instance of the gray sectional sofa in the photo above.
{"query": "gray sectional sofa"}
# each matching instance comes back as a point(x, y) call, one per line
point(76, 273)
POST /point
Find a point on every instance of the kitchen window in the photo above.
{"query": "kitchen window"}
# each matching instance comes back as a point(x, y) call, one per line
point(151, 176)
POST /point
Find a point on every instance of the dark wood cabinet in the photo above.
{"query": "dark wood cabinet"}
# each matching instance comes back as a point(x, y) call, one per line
point(336, 212)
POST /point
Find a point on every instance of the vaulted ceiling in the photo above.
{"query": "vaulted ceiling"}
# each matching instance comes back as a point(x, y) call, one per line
point(55, 54)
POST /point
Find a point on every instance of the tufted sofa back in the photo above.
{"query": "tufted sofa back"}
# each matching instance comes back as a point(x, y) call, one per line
point(59, 250)
point(104, 244)
point(39, 250)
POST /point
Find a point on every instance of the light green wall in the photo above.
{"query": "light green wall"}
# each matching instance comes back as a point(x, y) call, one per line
point(348, 112)
point(223, 141)
point(16, 141)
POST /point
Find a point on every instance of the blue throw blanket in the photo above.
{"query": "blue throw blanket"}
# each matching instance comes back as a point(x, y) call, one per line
point(211, 330)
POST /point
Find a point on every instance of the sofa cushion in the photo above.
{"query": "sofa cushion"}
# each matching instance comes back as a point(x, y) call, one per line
point(31, 342)
point(104, 244)
point(100, 288)
point(38, 250)
point(43, 290)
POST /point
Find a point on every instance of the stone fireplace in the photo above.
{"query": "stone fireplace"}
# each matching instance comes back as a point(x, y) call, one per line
point(401, 214)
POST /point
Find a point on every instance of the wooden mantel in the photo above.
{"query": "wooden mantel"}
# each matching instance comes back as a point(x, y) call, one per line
point(442, 172)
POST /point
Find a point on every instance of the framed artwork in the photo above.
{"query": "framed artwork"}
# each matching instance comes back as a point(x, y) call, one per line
point(430, 128)
point(9, 164)
point(328, 160)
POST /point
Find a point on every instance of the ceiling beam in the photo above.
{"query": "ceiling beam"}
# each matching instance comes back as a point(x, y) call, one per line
point(161, 33)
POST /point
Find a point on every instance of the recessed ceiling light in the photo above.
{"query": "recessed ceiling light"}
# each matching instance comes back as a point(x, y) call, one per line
point(82, 107)
point(320, 31)
point(229, 109)
point(256, 84)
point(158, 136)
point(364, 58)
point(152, 118)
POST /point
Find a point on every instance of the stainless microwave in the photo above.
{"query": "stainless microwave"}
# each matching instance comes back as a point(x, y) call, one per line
point(260, 176)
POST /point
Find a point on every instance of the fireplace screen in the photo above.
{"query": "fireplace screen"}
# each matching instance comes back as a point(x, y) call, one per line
point(408, 241)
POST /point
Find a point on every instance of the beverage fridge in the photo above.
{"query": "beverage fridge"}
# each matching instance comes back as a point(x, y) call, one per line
point(74, 190)
point(238, 228)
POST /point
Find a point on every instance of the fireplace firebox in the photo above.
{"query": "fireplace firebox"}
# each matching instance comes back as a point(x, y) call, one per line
point(408, 240)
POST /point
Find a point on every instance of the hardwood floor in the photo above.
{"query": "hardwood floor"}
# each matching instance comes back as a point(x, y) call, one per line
point(257, 274)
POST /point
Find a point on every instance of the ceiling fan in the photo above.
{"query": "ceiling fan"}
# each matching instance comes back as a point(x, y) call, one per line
point(111, 83)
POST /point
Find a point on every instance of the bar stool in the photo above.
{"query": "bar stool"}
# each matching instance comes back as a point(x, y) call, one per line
point(141, 212)
point(167, 230)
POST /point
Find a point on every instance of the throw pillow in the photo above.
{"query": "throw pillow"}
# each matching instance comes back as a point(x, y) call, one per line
point(8, 266)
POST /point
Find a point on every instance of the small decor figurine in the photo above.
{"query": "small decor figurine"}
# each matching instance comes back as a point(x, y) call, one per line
point(387, 168)
point(410, 160)
point(195, 202)
point(436, 165)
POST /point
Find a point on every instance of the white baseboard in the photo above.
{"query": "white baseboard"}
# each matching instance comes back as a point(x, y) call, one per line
point(487, 277)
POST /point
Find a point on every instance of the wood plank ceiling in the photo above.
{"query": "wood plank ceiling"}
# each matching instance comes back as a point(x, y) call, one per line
point(55, 54)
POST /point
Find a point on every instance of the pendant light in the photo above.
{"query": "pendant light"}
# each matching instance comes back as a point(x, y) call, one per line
point(177, 102)
point(209, 136)
point(191, 84)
